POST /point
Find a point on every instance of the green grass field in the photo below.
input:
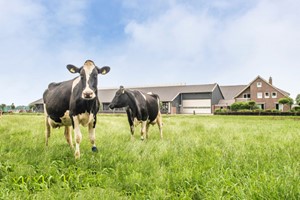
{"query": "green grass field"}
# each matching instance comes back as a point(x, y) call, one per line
point(200, 157)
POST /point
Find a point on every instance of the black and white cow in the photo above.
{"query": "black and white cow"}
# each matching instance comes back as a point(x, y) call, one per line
point(74, 102)
point(141, 108)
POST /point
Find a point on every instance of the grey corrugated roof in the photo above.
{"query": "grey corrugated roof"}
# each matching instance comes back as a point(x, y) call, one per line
point(39, 101)
point(229, 92)
point(166, 93)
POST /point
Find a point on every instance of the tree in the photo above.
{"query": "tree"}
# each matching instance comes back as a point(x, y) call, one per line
point(291, 102)
point(251, 104)
point(298, 99)
point(286, 100)
point(2, 106)
point(283, 101)
point(13, 106)
point(32, 107)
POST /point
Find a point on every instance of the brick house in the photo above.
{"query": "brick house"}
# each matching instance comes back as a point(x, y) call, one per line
point(264, 93)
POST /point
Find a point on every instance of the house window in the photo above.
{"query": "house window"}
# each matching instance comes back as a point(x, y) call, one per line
point(261, 106)
point(274, 94)
point(259, 95)
point(258, 84)
point(164, 107)
point(279, 106)
point(267, 95)
point(246, 96)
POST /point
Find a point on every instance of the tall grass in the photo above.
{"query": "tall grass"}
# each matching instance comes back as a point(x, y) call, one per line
point(200, 157)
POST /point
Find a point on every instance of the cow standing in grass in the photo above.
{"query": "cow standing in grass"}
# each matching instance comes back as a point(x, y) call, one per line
point(140, 108)
point(73, 103)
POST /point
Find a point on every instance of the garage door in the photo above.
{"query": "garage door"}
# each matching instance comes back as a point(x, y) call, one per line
point(202, 106)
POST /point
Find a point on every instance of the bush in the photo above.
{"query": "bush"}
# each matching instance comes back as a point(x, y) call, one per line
point(219, 110)
point(240, 106)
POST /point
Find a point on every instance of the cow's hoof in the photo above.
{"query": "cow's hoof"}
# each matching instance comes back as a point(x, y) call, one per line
point(77, 155)
point(94, 149)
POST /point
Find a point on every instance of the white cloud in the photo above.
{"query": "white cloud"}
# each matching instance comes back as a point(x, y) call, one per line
point(33, 38)
point(204, 48)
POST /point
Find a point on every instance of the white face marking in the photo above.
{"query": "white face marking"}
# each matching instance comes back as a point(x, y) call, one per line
point(88, 69)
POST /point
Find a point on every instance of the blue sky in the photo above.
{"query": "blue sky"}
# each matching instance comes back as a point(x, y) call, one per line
point(148, 42)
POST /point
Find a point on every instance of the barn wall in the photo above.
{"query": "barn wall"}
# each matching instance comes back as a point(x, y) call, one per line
point(216, 96)
point(192, 96)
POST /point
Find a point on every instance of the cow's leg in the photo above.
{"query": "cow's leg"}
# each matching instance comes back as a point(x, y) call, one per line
point(92, 136)
point(68, 136)
point(147, 128)
point(143, 129)
point(77, 136)
point(47, 130)
point(160, 124)
point(131, 122)
point(47, 125)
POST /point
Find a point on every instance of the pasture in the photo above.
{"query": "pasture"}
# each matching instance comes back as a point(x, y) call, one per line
point(200, 157)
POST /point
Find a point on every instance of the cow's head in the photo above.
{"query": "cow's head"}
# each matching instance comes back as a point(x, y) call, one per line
point(120, 100)
point(88, 79)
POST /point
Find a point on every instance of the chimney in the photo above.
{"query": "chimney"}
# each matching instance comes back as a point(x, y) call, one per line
point(271, 80)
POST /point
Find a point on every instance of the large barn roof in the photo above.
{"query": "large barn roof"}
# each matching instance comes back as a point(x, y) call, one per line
point(169, 92)
point(166, 93)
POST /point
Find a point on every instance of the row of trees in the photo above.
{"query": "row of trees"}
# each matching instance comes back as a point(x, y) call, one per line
point(298, 99)
point(12, 108)
point(3, 106)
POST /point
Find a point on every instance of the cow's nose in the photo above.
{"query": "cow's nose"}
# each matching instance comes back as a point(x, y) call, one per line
point(88, 95)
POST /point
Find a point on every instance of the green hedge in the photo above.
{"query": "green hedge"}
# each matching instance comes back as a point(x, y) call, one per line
point(257, 112)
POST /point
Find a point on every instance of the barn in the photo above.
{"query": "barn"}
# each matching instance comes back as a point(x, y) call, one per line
point(175, 99)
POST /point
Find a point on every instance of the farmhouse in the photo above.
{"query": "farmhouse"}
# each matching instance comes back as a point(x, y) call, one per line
point(202, 99)
point(264, 93)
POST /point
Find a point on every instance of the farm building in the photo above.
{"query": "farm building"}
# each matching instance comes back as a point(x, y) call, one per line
point(200, 99)
point(176, 99)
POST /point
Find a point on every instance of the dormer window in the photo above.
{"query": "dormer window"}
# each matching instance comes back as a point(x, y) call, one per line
point(246, 95)
point(258, 84)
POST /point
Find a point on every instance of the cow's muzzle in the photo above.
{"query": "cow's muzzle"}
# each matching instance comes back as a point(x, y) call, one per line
point(88, 95)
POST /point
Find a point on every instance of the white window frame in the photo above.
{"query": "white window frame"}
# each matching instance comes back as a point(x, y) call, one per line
point(280, 107)
point(245, 95)
point(261, 106)
point(274, 96)
point(259, 84)
point(259, 95)
point(267, 95)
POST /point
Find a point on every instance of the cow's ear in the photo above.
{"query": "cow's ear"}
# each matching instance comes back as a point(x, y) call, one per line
point(73, 69)
point(122, 89)
point(103, 70)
